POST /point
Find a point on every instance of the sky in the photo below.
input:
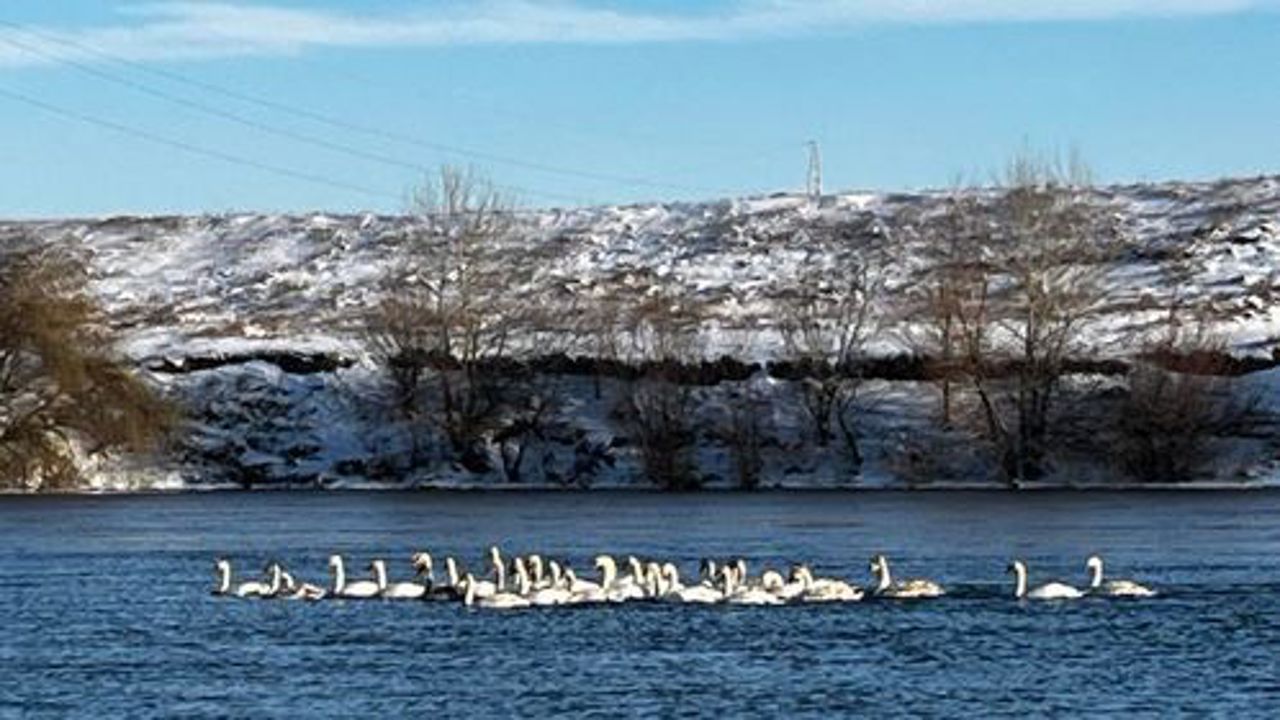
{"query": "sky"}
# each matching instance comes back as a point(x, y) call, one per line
point(155, 107)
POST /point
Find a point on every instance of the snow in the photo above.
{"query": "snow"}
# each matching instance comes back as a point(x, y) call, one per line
point(246, 285)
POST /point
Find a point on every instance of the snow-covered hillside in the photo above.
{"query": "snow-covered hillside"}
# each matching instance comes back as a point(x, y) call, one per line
point(236, 287)
point(182, 286)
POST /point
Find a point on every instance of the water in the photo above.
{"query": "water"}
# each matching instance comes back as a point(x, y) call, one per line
point(107, 612)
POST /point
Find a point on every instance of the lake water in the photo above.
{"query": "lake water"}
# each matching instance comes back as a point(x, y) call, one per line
point(107, 609)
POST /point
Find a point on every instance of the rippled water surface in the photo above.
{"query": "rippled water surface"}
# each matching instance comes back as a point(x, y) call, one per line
point(107, 611)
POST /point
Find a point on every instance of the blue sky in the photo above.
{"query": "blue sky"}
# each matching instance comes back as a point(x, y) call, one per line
point(156, 107)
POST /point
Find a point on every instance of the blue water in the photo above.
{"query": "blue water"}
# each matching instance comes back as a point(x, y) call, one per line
point(107, 612)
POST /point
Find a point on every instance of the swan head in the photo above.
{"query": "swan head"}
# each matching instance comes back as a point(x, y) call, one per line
point(494, 555)
point(222, 564)
point(1094, 563)
point(335, 561)
point(771, 580)
point(878, 562)
point(421, 560)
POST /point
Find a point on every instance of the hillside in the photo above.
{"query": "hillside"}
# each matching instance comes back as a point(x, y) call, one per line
point(258, 319)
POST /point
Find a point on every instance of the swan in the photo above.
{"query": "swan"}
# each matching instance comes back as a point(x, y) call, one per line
point(1048, 591)
point(252, 588)
point(539, 578)
point(745, 595)
point(357, 590)
point(482, 588)
point(825, 589)
point(887, 588)
point(1113, 588)
point(499, 570)
point(293, 590)
point(787, 591)
point(395, 590)
point(551, 594)
point(584, 591)
point(576, 584)
point(423, 565)
point(708, 572)
point(499, 600)
point(698, 594)
point(615, 589)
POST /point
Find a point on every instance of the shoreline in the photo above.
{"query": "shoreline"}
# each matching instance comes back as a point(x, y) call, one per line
point(1208, 487)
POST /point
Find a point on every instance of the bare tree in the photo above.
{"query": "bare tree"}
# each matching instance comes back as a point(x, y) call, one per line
point(62, 387)
point(946, 240)
point(1023, 306)
point(447, 324)
point(825, 328)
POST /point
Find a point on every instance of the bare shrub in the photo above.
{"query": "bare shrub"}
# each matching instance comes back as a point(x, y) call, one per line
point(1170, 417)
point(657, 409)
point(743, 428)
point(62, 387)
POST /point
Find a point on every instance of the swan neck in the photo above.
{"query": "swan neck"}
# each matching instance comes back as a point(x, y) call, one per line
point(885, 579)
point(224, 578)
point(1021, 574)
point(1095, 581)
point(380, 575)
point(339, 575)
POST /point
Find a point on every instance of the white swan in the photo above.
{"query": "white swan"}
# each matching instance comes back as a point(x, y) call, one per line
point(551, 594)
point(818, 590)
point(772, 581)
point(744, 595)
point(613, 588)
point(914, 588)
point(1113, 588)
point(294, 590)
point(358, 590)
point(395, 590)
point(699, 594)
point(499, 569)
point(499, 600)
point(1048, 591)
point(423, 565)
point(252, 588)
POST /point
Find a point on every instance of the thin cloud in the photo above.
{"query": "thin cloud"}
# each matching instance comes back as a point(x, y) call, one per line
point(199, 30)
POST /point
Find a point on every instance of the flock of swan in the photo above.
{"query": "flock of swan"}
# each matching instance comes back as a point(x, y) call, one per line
point(527, 581)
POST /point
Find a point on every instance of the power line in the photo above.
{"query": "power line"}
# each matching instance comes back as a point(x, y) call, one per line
point(191, 148)
point(342, 124)
point(254, 124)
